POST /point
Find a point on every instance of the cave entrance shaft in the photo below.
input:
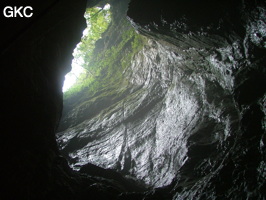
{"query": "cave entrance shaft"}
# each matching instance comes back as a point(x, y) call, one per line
point(98, 19)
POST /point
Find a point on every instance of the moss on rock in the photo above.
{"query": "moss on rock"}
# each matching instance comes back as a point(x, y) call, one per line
point(105, 82)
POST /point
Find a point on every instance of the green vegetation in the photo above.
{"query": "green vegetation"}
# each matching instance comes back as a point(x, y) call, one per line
point(105, 56)
point(97, 20)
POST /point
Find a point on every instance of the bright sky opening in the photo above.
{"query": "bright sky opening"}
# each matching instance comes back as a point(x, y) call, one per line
point(77, 70)
point(72, 76)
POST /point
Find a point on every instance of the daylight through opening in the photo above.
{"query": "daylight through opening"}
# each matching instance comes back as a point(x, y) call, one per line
point(98, 20)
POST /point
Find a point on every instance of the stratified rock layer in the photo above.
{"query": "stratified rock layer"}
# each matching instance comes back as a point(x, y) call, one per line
point(191, 112)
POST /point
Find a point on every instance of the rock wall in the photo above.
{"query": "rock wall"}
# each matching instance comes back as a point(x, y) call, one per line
point(187, 114)
point(35, 54)
point(191, 114)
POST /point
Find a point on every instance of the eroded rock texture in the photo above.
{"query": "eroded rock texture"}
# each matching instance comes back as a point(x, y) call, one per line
point(186, 117)
point(190, 114)
point(35, 55)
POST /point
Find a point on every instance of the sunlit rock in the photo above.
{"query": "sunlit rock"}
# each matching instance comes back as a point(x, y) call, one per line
point(186, 112)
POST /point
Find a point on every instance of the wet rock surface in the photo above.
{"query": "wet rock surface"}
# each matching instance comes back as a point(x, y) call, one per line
point(191, 120)
point(185, 121)
point(35, 55)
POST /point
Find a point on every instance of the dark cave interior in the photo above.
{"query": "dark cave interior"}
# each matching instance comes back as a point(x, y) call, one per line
point(36, 53)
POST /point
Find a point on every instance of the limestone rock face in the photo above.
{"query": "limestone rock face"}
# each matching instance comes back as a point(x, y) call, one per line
point(190, 114)
point(146, 133)
point(179, 111)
